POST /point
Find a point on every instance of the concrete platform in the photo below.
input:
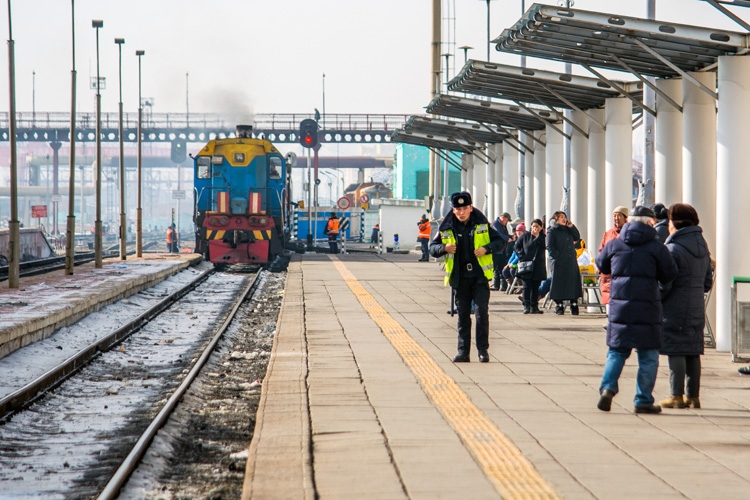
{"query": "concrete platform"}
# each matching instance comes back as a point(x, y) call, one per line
point(362, 400)
point(44, 303)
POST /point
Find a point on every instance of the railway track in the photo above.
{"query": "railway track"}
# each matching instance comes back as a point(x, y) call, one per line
point(42, 266)
point(107, 403)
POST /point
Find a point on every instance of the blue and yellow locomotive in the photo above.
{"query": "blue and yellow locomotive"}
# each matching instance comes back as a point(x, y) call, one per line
point(242, 188)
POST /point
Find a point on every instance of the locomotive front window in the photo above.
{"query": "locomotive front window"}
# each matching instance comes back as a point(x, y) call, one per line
point(204, 167)
point(239, 157)
point(274, 167)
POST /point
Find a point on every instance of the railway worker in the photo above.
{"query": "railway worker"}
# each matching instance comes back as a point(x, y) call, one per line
point(332, 230)
point(424, 237)
point(501, 258)
point(638, 262)
point(467, 241)
point(171, 239)
point(619, 218)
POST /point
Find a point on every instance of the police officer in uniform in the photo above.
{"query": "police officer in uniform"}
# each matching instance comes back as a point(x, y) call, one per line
point(467, 241)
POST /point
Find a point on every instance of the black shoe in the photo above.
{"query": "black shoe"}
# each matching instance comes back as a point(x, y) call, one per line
point(648, 409)
point(527, 310)
point(745, 370)
point(461, 357)
point(560, 310)
point(536, 310)
point(605, 401)
point(484, 357)
point(574, 309)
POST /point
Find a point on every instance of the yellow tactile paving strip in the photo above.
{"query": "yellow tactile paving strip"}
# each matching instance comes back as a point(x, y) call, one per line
point(510, 472)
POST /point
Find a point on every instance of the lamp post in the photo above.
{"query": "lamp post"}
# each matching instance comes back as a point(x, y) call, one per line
point(123, 219)
point(466, 50)
point(489, 38)
point(13, 224)
point(96, 24)
point(139, 213)
point(70, 228)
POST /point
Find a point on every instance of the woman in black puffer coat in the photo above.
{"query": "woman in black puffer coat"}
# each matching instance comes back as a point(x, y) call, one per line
point(566, 278)
point(683, 305)
point(530, 246)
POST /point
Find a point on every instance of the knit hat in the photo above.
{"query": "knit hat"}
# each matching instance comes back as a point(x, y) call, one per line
point(462, 199)
point(621, 210)
point(521, 228)
point(660, 211)
point(683, 215)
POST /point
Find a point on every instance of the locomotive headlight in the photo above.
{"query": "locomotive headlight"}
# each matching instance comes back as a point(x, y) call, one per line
point(224, 221)
point(213, 221)
point(263, 221)
point(217, 160)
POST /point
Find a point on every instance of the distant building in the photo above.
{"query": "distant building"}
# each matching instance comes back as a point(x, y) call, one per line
point(411, 178)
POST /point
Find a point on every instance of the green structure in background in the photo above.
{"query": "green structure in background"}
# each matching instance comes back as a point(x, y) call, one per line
point(411, 178)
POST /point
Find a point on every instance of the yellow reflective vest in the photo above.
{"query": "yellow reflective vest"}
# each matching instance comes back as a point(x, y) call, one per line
point(481, 238)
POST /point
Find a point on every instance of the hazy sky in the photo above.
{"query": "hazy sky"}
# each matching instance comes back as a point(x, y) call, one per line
point(265, 56)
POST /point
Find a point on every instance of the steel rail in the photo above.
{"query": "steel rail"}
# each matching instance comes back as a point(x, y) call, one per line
point(120, 477)
point(30, 392)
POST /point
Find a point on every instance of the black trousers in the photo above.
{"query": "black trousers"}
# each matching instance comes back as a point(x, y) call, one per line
point(423, 242)
point(531, 293)
point(333, 244)
point(498, 261)
point(680, 368)
point(476, 290)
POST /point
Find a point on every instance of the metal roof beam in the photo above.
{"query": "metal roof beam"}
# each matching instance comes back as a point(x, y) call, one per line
point(445, 157)
point(546, 122)
point(666, 61)
point(573, 106)
point(563, 118)
point(731, 15)
point(515, 139)
point(647, 82)
point(622, 91)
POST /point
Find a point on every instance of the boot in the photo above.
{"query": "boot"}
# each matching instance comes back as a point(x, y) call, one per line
point(693, 402)
point(673, 402)
point(560, 309)
point(535, 310)
point(526, 309)
point(574, 308)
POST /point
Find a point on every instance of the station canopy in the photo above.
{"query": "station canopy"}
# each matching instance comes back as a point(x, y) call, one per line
point(545, 88)
point(639, 46)
point(460, 130)
point(487, 111)
point(434, 141)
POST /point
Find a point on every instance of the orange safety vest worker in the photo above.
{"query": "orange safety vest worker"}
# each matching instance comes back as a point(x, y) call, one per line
point(333, 226)
point(424, 230)
point(170, 235)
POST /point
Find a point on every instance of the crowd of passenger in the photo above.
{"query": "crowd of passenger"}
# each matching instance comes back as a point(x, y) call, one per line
point(654, 269)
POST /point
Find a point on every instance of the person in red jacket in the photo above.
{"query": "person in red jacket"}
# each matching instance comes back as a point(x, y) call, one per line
point(619, 218)
point(424, 237)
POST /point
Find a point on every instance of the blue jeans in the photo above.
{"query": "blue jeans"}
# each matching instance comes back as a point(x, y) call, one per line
point(648, 364)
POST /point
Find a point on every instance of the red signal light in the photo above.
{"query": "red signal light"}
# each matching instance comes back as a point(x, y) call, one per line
point(308, 133)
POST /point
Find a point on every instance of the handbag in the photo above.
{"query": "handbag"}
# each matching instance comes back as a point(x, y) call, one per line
point(526, 267)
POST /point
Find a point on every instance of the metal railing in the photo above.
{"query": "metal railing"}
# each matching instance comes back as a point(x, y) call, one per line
point(181, 121)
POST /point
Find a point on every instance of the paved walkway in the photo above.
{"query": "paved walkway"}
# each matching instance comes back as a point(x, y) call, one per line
point(362, 400)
